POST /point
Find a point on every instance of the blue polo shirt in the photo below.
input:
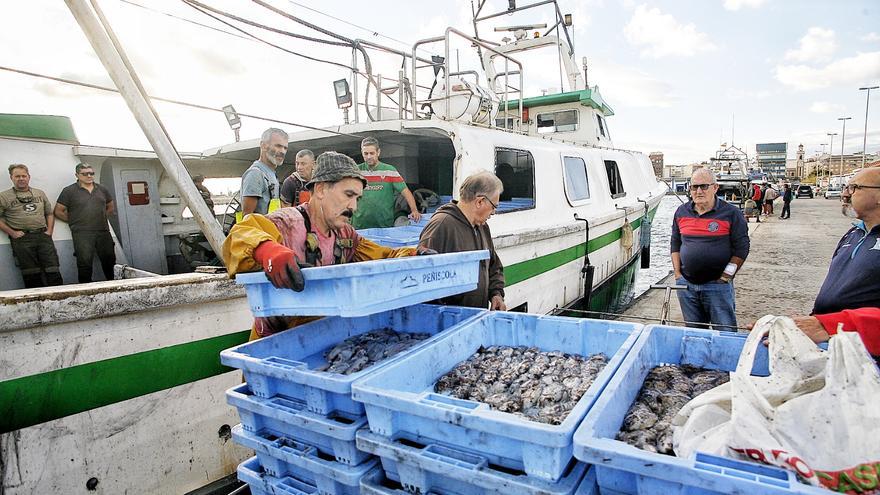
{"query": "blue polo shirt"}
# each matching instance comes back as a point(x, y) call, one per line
point(706, 242)
point(853, 279)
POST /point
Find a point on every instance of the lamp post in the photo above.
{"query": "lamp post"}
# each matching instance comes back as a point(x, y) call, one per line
point(831, 152)
point(819, 163)
point(843, 142)
point(865, 137)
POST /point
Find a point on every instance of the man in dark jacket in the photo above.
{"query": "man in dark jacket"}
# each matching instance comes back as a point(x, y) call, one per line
point(461, 226)
point(786, 202)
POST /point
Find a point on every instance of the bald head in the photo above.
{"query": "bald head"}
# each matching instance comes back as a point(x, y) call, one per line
point(870, 176)
point(703, 176)
point(863, 202)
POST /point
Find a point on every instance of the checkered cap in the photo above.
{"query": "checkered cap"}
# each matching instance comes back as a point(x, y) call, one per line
point(333, 167)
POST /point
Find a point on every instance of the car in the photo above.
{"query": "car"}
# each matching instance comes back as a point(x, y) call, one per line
point(803, 191)
point(832, 193)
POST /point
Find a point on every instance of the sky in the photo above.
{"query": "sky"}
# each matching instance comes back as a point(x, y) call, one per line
point(683, 77)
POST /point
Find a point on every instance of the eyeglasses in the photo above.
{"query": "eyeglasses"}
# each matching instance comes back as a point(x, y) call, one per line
point(702, 187)
point(26, 200)
point(87, 174)
point(851, 188)
point(494, 206)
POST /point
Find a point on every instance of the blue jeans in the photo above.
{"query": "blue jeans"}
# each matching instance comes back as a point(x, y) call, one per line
point(713, 302)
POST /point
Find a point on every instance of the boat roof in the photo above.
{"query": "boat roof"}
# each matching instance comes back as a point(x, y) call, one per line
point(586, 97)
point(39, 127)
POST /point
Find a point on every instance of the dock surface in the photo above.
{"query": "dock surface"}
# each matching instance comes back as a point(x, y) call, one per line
point(787, 263)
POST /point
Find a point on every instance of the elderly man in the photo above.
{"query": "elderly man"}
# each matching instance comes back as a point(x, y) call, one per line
point(26, 217)
point(850, 296)
point(293, 190)
point(259, 185)
point(383, 183)
point(317, 233)
point(86, 205)
point(461, 226)
point(710, 242)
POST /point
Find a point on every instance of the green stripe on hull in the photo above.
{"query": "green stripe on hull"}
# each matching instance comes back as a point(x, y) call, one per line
point(35, 399)
point(43, 397)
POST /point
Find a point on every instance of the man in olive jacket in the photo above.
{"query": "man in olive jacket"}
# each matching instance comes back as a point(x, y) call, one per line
point(461, 226)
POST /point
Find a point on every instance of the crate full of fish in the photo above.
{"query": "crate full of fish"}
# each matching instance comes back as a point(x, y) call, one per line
point(263, 483)
point(282, 458)
point(428, 466)
point(358, 289)
point(512, 387)
point(317, 362)
point(332, 435)
point(627, 434)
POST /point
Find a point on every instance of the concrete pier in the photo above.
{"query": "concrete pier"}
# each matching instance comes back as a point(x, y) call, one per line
point(786, 265)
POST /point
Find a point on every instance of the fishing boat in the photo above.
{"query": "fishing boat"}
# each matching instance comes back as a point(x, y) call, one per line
point(116, 386)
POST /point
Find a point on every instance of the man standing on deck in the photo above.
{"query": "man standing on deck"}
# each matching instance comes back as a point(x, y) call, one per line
point(317, 233)
point(461, 226)
point(26, 217)
point(86, 205)
point(259, 185)
point(709, 244)
point(294, 190)
point(376, 208)
point(850, 295)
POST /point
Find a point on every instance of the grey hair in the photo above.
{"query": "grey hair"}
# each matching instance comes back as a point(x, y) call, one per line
point(483, 183)
point(704, 172)
point(268, 133)
point(18, 165)
point(305, 153)
point(370, 141)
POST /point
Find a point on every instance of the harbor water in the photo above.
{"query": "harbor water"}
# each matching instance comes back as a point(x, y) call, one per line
point(661, 230)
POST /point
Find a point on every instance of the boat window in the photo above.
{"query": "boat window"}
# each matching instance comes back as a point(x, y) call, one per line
point(614, 180)
point(601, 125)
point(577, 186)
point(562, 121)
point(516, 169)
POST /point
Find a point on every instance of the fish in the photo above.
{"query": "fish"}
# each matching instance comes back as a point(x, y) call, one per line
point(359, 352)
point(524, 381)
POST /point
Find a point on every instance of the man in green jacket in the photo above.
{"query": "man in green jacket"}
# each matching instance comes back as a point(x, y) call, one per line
point(384, 182)
point(461, 226)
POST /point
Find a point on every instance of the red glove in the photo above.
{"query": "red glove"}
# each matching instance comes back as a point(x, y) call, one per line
point(280, 265)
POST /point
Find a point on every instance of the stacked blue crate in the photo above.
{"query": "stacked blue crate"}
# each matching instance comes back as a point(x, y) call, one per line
point(432, 441)
point(302, 422)
point(624, 469)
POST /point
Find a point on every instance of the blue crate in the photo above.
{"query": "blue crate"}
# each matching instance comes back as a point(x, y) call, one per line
point(400, 398)
point(624, 469)
point(333, 434)
point(282, 457)
point(263, 483)
point(283, 364)
point(432, 466)
point(358, 289)
point(407, 235)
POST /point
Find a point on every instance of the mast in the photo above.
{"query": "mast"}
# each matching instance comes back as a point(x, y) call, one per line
point(110, 52)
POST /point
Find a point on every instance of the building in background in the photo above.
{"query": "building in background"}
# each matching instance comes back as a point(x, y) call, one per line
point(771, 158)
point(657, 162)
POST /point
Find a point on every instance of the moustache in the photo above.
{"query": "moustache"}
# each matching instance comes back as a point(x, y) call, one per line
point(347, 213)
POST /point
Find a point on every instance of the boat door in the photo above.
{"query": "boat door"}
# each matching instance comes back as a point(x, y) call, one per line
point(140, 220)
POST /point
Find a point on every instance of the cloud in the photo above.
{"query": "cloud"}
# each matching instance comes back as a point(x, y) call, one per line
point(744, 94)
point(825, 107)
point(871, 37)
point(630, 87)
point(859, 69)
point(738, 4)
point(661, 35)
point(817, 45)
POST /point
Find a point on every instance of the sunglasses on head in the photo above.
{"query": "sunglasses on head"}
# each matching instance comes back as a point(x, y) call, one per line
point(26, 200)
point(702, 187)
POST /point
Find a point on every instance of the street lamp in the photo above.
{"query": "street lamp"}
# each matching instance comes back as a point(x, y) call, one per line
point(233, 120)
point(843, 142)
point(819, 164)
point(865, 137)
point(831, 148)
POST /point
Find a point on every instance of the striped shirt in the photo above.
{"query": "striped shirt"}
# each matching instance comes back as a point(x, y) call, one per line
point(706, 242)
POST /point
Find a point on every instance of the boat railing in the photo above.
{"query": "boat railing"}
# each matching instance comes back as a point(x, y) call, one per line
point(505, 91)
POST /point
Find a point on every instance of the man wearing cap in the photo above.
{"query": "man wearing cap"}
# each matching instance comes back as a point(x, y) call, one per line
point(317, 233)
point(26, 217)
point(199, 181)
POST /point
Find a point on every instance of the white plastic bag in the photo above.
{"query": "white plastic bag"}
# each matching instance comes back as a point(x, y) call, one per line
point(815, 414)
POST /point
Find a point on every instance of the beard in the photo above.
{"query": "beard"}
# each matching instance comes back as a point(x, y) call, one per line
point(848, 211)
point(276, 158)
